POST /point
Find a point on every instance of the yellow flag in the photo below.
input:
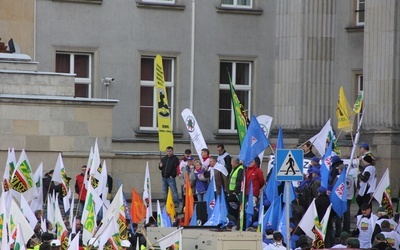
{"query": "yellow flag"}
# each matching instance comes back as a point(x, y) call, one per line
point(170, 206)
point(163, 113)
point(343, 112)
point(358, 103)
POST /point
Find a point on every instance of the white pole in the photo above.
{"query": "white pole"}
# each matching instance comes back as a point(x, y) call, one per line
point(287, 183)
point(192, 56)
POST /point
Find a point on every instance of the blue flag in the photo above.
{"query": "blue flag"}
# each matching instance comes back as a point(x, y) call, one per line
point(220, 212)
point(271, 217)
point(325, 166)
point(254, 142)
point(223, 214)
point(271, 189)
point(193, 220)
point(165, 218)
point(209, 198)
point(282, 222)
point(338, 195)
point(292, 194)
point(250, 207)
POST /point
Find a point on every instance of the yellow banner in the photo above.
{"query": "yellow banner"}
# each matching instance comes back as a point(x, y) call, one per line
point(342, 112)
point(358, 103)
point(163, 113)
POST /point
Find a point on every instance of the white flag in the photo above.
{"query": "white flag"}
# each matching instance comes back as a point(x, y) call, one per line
point(147, 194)
point(194, 131)
point(321, 227)
point(17, 217)
point(172, 240)
point(19, 240)
point(160, 222)
point(60, 176)
point(74, 243)
point(383, 186)
point(319, 140)
point(37, 202)
point(306, 223)
point(27, 211)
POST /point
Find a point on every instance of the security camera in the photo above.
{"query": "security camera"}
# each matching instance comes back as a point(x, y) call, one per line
point(108, 80)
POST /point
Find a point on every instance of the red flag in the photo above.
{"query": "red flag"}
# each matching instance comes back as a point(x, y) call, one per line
point(138, 209)
point(189, 201)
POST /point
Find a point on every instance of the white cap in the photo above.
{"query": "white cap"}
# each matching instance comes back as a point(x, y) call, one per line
point(125, 243)
point(55, 243)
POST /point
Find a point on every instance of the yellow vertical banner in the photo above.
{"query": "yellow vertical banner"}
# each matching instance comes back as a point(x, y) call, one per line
point(163, 113)
point(344, 112)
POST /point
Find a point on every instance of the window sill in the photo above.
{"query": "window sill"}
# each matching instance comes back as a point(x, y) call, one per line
point(154, 133)
point(225, 10)
point(81, 1)
point(219, 135)
point(355, 29)
point(141, 4)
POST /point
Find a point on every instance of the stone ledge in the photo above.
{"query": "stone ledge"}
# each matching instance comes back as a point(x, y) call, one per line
point(165, 6)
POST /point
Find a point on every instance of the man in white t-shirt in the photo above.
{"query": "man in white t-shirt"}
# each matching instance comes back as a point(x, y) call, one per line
point(365, 225)
point(367, 182)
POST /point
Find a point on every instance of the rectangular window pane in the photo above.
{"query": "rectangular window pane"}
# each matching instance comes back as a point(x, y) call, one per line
point(147, 69)
point(81, 66)
point(242, 74)
point(227, 2)
point(224, 119)
point(146, 116)
point(167, 67)
point(244, 2)
point(81, 90)
point(223, 72)
point(146, 96)
point(63, 63)
point(225, 100)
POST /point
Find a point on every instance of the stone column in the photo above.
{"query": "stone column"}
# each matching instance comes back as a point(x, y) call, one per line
point(381, 86)
point(304, 64)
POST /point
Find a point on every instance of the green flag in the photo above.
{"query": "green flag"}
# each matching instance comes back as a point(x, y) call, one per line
point(240, 113)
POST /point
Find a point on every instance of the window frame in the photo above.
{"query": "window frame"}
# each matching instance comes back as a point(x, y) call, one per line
point(168, 85)
point(239, 87)
point(80, 80)
point(358, 10)
point(235, 5)
point(171, 2)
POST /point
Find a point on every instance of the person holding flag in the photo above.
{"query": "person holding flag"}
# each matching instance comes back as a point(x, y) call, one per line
point(168, 167)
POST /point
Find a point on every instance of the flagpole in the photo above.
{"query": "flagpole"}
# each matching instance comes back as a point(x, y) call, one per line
point(241, 215)
point(287, 184)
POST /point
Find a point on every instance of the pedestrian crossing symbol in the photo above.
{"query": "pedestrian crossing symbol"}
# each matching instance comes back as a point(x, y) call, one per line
point(289, 163)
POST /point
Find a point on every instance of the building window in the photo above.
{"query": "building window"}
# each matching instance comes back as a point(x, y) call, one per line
point(240, 72)
point(148, 100)
point(79, 64)
point(360, 13)
point(159, 1)
point(237, 3)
